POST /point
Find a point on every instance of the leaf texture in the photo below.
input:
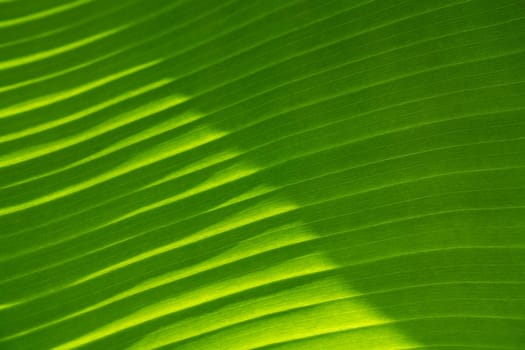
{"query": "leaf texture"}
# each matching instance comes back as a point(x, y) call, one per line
point(299, 174)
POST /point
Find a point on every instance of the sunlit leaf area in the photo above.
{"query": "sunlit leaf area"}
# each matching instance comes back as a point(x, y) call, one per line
point(262, 174)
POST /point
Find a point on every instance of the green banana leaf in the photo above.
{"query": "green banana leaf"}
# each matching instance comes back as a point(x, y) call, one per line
point(264, 174)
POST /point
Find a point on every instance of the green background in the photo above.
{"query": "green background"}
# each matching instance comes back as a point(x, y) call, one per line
point(311, 174)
